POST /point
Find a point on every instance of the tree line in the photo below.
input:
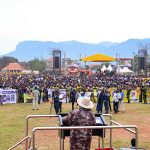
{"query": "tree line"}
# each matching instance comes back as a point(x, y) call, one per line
point(34, 64)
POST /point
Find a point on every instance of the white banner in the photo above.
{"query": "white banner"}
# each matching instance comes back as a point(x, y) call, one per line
point(9, 96)
point(62, 94)
point(133, 96)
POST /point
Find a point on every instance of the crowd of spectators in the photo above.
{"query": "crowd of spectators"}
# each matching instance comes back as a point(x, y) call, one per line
point(25, 83)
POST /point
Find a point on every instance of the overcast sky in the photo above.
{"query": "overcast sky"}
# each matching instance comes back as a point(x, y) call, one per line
point(90, 21)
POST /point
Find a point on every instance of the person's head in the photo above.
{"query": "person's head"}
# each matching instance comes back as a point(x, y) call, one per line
point(133, 142)
point(85, 102)
point(56, 91)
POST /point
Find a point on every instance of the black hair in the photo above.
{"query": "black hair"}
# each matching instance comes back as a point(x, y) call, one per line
point(133, 142)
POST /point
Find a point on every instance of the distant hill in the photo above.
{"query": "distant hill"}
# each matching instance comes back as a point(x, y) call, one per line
point(28, 50)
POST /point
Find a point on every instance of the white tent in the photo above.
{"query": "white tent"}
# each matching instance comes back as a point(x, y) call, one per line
point(109, 68)
point(126, 70)
point(103, 68)
point(119, 70)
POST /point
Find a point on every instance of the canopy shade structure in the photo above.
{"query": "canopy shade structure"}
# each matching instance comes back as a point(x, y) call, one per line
point(98, 58)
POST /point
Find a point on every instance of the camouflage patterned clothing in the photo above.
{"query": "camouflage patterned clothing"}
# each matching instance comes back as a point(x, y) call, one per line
point(80, 139)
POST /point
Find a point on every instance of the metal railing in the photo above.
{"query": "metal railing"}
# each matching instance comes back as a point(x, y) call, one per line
point(110, 123)
point(27, 138)
point(126, 127)
point(35, 116)
point(28, 143)
point(83, 127)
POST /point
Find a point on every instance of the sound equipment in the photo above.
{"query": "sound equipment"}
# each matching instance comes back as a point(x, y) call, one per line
point(142, 63)
point(142, 59)
point(56, 61)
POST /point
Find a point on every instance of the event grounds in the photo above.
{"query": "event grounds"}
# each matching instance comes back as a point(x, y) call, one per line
point(12, 124)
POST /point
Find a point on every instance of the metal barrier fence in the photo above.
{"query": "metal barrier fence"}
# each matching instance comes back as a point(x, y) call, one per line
point(28, 143)
point(49, 116)
point(83, 127)
point(35, 116)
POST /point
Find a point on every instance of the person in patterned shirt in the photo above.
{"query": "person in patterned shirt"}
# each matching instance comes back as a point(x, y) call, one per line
point(81, 139)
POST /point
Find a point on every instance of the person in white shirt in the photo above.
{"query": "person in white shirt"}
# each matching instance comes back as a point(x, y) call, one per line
point(121, 99)
point(115, 101)
point(36, 95)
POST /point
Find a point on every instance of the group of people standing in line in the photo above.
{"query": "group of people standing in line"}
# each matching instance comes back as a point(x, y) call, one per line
point(103, 99)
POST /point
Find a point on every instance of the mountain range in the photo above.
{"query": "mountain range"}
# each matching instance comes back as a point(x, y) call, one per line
point(28, 50)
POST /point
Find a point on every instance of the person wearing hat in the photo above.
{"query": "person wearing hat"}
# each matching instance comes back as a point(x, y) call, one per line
point(81, 139)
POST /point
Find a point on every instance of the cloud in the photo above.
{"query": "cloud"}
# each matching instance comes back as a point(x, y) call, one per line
point(83, 20)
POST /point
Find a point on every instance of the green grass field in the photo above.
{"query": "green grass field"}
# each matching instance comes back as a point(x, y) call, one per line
point(12, 126)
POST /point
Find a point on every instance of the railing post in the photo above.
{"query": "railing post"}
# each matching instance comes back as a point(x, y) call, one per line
point(27, 126)
point(33, 142)
point(99, 142)
point(136, 137)
point(110, 132)
point(110, 123)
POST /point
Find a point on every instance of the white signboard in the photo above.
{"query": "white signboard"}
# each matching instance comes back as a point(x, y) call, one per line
point(9, 96)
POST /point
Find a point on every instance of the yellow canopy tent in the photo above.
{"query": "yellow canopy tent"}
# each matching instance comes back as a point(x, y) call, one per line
point(98, 58)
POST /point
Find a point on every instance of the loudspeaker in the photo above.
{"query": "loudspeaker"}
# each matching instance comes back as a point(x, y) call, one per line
point(142, 63)
point(56, 62)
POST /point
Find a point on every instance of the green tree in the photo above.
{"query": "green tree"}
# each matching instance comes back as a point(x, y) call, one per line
point(5, 60)
point(37, 64)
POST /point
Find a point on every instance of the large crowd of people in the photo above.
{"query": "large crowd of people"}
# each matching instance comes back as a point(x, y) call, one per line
point(77, 86)
point(79, 89)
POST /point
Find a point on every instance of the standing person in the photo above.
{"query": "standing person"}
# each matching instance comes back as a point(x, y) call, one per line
point(36, 95)
point(55, 99)
point(1, 100)
point(115, 101)
point(78, 94)
point(141, 94)
point(128, 94)
point(106, 101)
point(60, 101)
point(72, 97)
point(144, 95)
point(67, 94)
point(81, 139)
point(109, 100)
point(40, 94)
point(1, 96)
point(121, 99)
point(100, 101)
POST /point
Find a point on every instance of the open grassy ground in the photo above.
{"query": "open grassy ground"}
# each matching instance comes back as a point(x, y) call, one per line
point(12, 126)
